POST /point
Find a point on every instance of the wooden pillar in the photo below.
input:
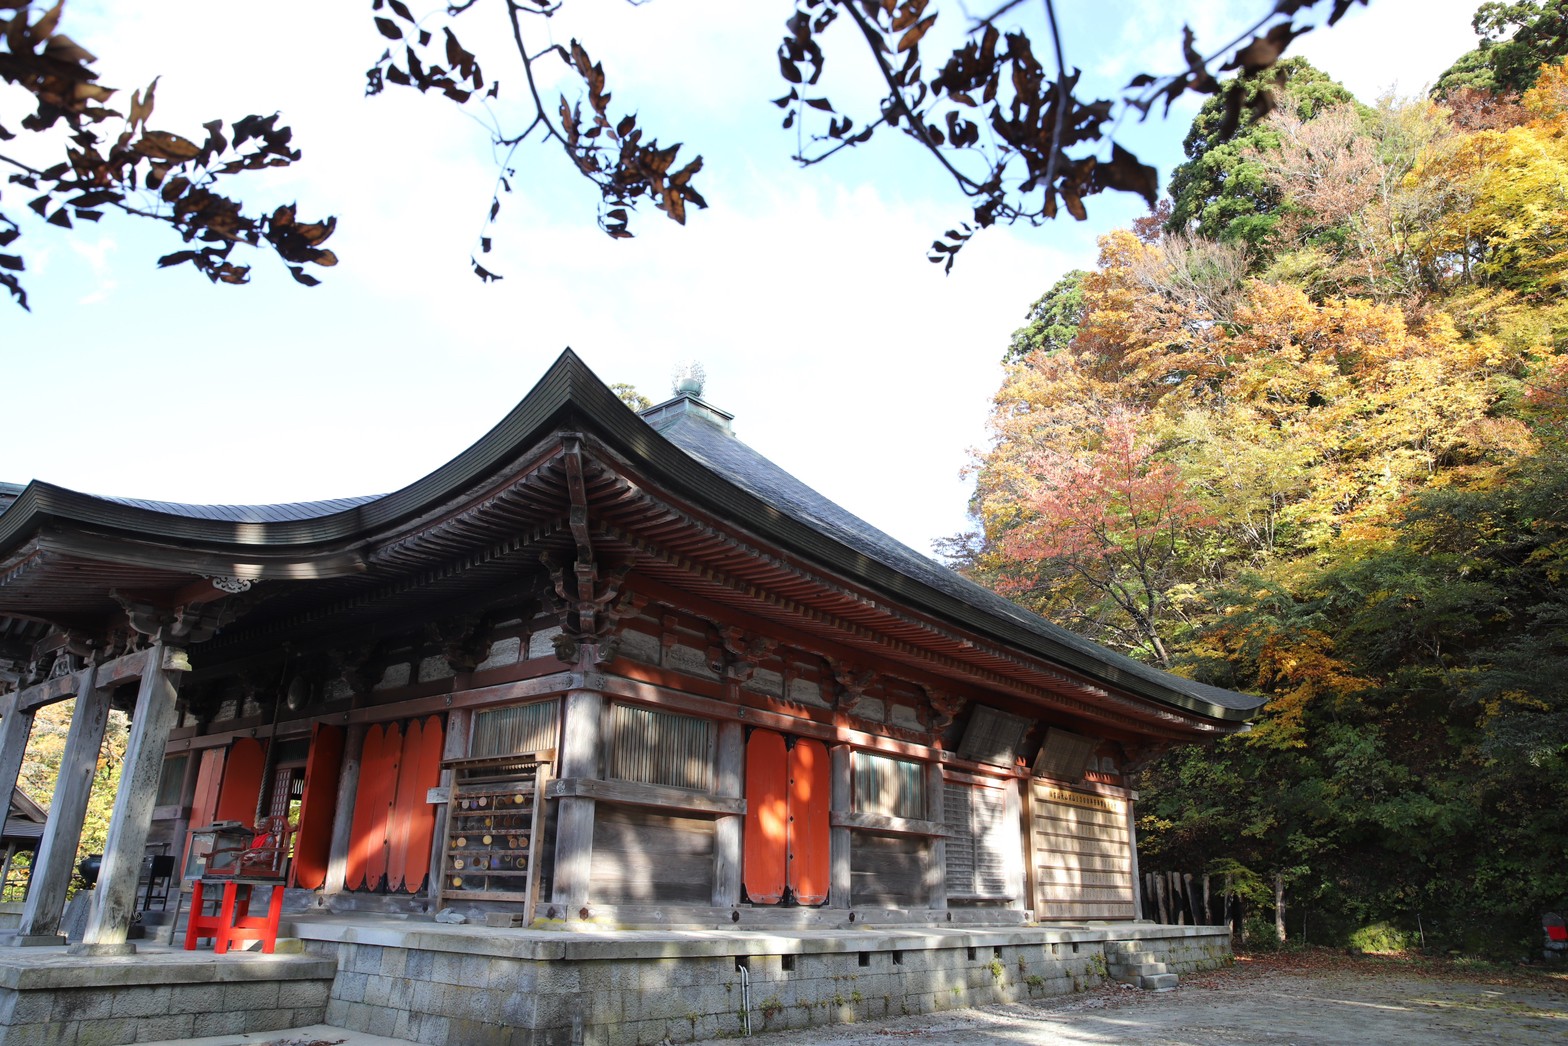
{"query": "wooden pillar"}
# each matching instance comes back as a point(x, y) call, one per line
point(459, 723)
point(343, 813)
point(838, 838)
point(936, 846)
point(56, 856)
point(727, 828)
point(582, 739)
point(1013, 813)
point(114, 901)
point(16, 726)
point(1136, 882)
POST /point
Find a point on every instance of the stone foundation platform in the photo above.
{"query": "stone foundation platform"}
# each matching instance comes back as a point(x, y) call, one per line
point(51, 998)
point(412, 978)
point(487, 987)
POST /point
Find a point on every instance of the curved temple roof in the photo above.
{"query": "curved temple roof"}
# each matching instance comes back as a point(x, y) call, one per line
point(685, 446)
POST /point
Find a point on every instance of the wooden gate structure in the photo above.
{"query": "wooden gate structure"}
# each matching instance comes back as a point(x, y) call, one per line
point(702, 693)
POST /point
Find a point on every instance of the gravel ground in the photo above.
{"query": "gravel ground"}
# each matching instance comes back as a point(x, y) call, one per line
point(1315, 999)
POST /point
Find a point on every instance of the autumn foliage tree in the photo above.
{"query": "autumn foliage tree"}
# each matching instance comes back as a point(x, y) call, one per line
point(996, 107)
point(83, 159)
point(1344, 452)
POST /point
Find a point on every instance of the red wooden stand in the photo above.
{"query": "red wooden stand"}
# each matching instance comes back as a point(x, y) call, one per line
point(232, 921)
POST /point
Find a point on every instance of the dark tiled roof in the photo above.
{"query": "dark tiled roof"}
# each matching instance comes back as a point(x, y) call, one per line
point(709, 443)
point(295, 510)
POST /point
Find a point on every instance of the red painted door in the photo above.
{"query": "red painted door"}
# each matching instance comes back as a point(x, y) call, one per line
point(318, 805)
point(368, 800)
point(764, 856)
point(422, 816)
point(241, 782)
point(384, 775)
point(810, 791)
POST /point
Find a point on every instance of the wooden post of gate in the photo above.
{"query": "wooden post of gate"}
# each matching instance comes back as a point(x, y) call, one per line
point(114, 901)
point(56, 855)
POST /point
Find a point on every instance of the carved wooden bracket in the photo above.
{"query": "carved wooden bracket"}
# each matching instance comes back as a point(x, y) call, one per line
point(184, 623)
point(360, 667)
point(588, 615)
point(853, 682)
point(746, 652)
point(465, 640)
point(945, 707)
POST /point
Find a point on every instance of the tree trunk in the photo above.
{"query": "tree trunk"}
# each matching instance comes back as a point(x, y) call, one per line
point(1160, 898)
point(1279, 905)
point(1208, 905)
point(1192, 898)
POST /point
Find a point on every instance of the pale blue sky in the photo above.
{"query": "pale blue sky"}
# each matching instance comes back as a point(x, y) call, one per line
point(845, 356)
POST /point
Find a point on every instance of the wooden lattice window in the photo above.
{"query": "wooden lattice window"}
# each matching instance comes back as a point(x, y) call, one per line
point(660, 748)
point(515, 728)
point(981, 843)
point(1065, 755)
point(993, 736)
point(890, 787)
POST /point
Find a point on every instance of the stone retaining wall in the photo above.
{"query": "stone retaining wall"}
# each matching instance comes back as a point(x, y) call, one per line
point(61, 1000)
point(490, 988)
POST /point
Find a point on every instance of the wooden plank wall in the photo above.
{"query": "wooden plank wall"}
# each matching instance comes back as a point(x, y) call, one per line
point(888, 871)
point(644, 857)
point(1081, 854)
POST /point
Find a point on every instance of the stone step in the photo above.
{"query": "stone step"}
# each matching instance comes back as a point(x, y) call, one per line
point(1151, 976)
point(1130, 955)
point(1129, 970)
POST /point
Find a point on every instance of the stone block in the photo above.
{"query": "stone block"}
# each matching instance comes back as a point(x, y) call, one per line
point(418, 965)
point(309, 996)
point(365, 958)
point(390, 962)
point(32, 1007)
point(222, 1022)
point(257, 995)
point(141, 1003)
point(515, 1009)
point(350, 986)
point(166, 1026)
point(432, 1028)
point(80, 1005)
point(378, 991)
point(48, 1034)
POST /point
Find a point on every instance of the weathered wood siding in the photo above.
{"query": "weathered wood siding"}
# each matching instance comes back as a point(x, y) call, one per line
point(1081, 857)
point(888, 870)
point(643, 857)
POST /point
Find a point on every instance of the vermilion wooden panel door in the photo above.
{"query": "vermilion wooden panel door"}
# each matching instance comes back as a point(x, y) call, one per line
point(422, 817)
point(241, 782)
point(401, 811)
point(384, 774)
point(318, 805)
point(368, 798)
point(765, 849)
point(810, 791)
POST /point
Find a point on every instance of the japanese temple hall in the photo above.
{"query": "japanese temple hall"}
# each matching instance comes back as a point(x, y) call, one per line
point(604, 668)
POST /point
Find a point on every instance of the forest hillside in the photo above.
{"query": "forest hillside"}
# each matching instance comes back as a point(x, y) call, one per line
point(1304, 433)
